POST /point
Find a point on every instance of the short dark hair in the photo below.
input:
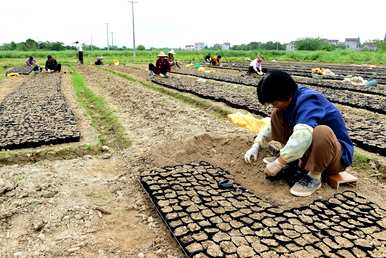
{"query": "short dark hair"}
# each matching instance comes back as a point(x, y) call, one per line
point(276, 85)
point(49, 56)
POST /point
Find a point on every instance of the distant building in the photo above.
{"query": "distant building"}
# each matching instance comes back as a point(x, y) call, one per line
point(290, 46)
point(226, 46)
point(334, 42)
point(199, 45)
point(352, 43)
point(370, 46)
point(189, 47)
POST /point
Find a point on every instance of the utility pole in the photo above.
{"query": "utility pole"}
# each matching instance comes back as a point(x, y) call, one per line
point(132, 12)
point(107, 33)
point(91, 43)
point(112, 39)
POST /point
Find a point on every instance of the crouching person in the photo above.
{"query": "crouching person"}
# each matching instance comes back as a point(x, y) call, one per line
point(162, 66)
point(309, 127)
point(52, 65)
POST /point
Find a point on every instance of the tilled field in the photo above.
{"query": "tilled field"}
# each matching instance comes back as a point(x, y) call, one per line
point(367, 130)
point(367, 101)
point(239, 77)
point(35, 114)
point(209, 221)
point(305, 70)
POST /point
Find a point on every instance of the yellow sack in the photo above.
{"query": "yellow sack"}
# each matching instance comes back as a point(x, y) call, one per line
point(115, 62)
point(12, 74)
point(248, 121)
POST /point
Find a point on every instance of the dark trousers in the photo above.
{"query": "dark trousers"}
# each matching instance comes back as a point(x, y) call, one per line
point(251, 70)
point(154, 69)
point(80, 57)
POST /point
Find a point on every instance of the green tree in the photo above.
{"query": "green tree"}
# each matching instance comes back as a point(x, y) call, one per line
point(31, 44)
point(141, 47)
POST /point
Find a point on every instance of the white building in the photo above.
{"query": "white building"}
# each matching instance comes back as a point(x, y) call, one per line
point(189, 47)
point(199, 45)
point(226, 46)
point(370, 46)
point(352, 43)
point(290, 46)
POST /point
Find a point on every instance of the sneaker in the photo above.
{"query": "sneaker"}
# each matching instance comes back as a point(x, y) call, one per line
point(306, 186)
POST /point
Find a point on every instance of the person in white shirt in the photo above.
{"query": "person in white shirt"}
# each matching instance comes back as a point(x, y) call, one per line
point(79, 48)
point(256, 66)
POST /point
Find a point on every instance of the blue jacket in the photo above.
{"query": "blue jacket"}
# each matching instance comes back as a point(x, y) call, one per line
point(312, 108)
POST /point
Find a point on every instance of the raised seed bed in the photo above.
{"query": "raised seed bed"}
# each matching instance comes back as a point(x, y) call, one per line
point(208, 221)
point(37, 114)
point(375, 103)
point(368, 132)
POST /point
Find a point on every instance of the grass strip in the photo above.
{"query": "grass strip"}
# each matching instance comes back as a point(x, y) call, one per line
point(110, 131)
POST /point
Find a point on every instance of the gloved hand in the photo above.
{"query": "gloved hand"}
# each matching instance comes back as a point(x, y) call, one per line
point(274, 167)
point(252, 153)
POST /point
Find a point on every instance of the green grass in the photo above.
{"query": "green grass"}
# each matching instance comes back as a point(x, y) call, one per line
point(110, 130)
point(125, 56)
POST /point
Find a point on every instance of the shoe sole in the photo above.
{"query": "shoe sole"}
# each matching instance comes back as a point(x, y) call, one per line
point(304, 194)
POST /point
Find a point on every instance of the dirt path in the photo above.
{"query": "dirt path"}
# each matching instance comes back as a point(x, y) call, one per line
point(94, 207)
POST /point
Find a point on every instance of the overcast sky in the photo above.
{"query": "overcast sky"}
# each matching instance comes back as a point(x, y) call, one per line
point(176, 23)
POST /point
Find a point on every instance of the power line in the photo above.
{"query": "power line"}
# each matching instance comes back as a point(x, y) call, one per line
point(132, 12)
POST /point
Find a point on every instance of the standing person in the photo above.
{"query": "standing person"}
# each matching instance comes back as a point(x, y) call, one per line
point(256, 66)
point(79, 48)
point(162, 66)
point(172, 60)
point(310, 128)
point(52, 65)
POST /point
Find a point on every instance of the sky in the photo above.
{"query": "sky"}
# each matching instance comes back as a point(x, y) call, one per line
point(176, 23)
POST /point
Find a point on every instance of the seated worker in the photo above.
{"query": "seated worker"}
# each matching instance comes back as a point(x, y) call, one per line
point(207, 58)
point(162, 66)
point(52, 65)
point(256, 66)
point(99, 60)
point(31, 62)
point(310, 128)
point(215, 60)
point(172, 60)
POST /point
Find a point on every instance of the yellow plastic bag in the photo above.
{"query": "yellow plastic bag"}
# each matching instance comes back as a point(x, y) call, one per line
point(115, 62)
point(248, 121)
point(12, 74)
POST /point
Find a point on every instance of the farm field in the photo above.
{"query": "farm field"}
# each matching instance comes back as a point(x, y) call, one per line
point(100, 148)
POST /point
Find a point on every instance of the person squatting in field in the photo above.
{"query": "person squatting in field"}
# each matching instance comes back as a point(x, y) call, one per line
point(310, 129)
point(256, 66)
point(172, 60)
point(31, 62)
point(52, 65)
point(162, 66)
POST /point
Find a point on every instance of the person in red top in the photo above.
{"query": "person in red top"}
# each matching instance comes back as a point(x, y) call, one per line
point(162, 66)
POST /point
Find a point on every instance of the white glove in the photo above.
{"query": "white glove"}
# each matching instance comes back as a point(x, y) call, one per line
point(274, 167)
point(252, 152)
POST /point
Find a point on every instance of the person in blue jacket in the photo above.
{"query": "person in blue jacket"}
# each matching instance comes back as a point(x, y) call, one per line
point(309, 127)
